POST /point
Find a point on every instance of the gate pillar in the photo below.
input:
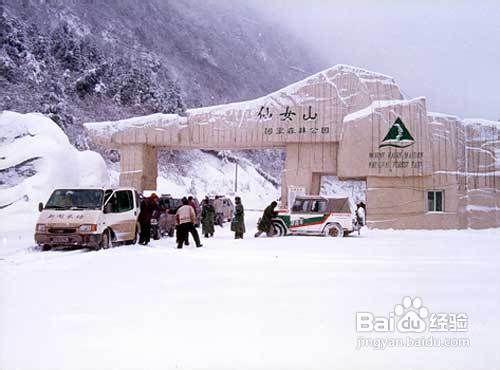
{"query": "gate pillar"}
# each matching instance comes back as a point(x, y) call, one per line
point(138, 166)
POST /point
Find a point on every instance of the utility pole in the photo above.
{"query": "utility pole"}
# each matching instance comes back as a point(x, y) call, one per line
point(236, 178)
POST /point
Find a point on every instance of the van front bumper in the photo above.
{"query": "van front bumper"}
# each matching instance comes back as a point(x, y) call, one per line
point(80, 240)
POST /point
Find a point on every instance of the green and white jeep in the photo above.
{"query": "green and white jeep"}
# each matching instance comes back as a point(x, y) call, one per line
point(317, 215)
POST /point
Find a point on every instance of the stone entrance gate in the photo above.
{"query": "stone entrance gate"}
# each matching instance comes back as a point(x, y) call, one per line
point(346, 122)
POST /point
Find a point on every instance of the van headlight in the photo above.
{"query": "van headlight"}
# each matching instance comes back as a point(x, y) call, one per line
point(41, 228)
point(87, 228)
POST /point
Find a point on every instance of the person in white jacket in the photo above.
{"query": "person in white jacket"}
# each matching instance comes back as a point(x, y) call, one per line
point(185, 219)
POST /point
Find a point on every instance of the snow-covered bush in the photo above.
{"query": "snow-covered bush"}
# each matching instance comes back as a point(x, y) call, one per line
point(35, 158)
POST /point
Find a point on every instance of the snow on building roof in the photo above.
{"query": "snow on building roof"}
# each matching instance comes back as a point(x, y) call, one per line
point(443, 115)
point(378, 104)
point(482, 122)
point(289, 93)
point(158, 120)
point(465, 121)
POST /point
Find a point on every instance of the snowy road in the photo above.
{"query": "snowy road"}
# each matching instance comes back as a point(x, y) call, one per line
point(286, 303)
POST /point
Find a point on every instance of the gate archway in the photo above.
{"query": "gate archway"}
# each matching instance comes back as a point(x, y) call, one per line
point(346, 122)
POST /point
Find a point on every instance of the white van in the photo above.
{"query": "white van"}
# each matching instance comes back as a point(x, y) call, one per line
point(93, 218)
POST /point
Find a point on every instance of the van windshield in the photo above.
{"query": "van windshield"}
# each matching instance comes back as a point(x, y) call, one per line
point(75, 199)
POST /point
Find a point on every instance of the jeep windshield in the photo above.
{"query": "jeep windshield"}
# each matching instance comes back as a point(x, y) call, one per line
point(75, 199)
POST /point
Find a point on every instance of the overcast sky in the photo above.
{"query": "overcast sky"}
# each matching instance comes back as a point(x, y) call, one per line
point(448, 51)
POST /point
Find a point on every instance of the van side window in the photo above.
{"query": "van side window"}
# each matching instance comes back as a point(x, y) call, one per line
point(124, 201)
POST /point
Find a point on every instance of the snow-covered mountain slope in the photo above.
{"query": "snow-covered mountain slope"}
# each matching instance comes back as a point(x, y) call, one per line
point(80, 61)
point(36, 157)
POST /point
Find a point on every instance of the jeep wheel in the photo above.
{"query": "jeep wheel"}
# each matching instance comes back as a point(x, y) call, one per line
point(334, 231)
point(279, 229)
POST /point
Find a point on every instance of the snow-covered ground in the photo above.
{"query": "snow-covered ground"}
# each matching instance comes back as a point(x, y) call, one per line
point(286, 303)
point(271, 303)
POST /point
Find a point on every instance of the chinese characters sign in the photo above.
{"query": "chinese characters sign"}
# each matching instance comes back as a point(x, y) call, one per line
point(290, 116)
point(299, 130)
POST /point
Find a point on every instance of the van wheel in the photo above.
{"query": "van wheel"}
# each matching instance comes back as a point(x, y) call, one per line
point(106, 240)
point(46, 248)
point(333, 230)
point(279, 229)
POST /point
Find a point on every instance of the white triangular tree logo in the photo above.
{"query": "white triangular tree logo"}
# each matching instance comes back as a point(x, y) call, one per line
point(398, 136)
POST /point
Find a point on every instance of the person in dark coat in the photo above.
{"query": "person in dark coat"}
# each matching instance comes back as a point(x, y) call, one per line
point(238, 222)
point(265, 224)
point(207, 218)
point(148, 207)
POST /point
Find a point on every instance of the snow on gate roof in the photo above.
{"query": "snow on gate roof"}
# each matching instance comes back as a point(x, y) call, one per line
point(289, 95)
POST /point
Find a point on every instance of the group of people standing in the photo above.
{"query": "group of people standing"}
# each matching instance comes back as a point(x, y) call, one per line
point(186, 216)
point(185, 220)
point(208, 215)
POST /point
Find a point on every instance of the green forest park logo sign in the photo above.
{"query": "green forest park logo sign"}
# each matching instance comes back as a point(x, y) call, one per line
point(398, 136)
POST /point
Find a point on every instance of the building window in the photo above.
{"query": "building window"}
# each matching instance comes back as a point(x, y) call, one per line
point(435, 201)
